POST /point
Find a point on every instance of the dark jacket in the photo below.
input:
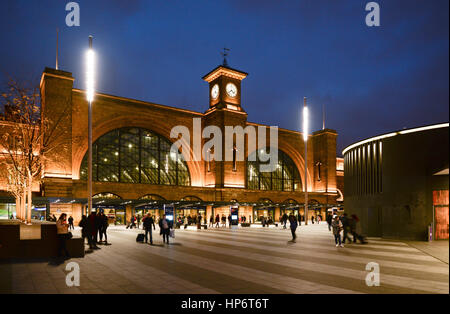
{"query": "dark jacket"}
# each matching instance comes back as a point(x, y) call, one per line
point(293, 222)
point(85, 227)
point(93, 223)
point(329, 219)
point(103, 222)
point(148, 222)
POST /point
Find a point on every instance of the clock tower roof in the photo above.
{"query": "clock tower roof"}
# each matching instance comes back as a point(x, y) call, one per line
point(222, 70)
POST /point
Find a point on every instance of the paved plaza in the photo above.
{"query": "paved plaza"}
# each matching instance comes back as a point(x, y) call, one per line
point(237, 261)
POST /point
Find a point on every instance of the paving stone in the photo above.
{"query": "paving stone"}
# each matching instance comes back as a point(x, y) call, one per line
point(241, 261)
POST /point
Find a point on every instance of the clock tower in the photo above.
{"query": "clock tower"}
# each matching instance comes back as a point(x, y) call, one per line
point(225, 111)
point(225, 87)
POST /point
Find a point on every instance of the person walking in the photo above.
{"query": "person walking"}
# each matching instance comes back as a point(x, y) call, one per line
point(285, 219)
point(148, 222)
point(337, 227)
point(138, 218)
point(199, 221)
point(353, 230)
point(164, 229)
point(312, 219)
point(103, 227)
point(229, 221)
point(346, 228)
point(62, 233)
point(211, 221)
point(293, 226)
point(217, 220)
point(329, 219)
point(70, 220)
point(224, 221)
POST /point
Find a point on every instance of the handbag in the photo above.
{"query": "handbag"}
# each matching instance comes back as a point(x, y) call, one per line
point(172, 233)
point(69, 235)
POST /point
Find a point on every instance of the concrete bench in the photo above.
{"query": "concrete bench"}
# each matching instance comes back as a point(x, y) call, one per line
point(12, 246)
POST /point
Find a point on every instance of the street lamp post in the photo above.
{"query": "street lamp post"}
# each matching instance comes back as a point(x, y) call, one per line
point(305, 140)
point(90, 77)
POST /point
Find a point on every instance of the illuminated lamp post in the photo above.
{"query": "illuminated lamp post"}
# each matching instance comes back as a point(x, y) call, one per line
point(90, 82)
point(305, 140)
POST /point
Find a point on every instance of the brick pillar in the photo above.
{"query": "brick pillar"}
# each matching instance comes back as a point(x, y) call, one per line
point(128, 213)
point(277, 214)
point(208, 212)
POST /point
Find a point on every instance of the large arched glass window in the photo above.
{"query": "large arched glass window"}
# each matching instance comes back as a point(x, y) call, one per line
point(284, 178)
point(135, 155)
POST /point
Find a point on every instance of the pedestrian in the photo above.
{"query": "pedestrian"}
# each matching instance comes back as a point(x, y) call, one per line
point(293, 226)
point(337, 227)
point(299, 220)
point(285, 219)
point(164, 229)
point(217, 220)
point(224, 221)
point(70, 220)
point(346, 228)
point(329, 219)
point(353, 230)
point(148, 222)
point(138, 220)
point(131, 224)
point(62, 232)
point(229, 221)
point(85, 230)
point(103, 227)
point(312, 219)
point(93, 227)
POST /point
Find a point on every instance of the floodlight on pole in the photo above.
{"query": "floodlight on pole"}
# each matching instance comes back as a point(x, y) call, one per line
point(90, 90)
point(90, 72)
point(305, 140)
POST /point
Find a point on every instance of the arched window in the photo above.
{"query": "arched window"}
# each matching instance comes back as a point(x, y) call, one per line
point(152, 197)
point(107, 195)
point(191, 198)
point(135, 155)
point(285, 177)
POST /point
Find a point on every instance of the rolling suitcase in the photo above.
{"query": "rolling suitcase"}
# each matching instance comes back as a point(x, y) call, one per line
point(140, 237)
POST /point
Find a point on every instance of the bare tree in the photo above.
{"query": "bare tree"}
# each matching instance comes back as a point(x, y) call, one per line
point(28, 140)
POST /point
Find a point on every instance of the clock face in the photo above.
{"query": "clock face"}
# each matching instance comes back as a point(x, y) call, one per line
point(231, 90)
point(215, 91)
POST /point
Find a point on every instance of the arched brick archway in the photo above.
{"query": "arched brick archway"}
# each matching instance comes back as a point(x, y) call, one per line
point(298, 160)
point(125, 122)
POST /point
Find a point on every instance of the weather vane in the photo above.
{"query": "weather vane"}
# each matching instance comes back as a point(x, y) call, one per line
point(225, 54)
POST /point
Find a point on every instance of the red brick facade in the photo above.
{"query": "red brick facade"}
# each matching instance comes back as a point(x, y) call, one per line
point(220, 184)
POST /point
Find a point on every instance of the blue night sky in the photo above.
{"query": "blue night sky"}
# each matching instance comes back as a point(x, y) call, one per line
point(371, 80)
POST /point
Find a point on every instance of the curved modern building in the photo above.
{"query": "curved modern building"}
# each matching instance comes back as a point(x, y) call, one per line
point(397, 183)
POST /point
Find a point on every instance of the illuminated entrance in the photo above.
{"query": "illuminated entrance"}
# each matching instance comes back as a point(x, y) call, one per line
point(116, 213)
